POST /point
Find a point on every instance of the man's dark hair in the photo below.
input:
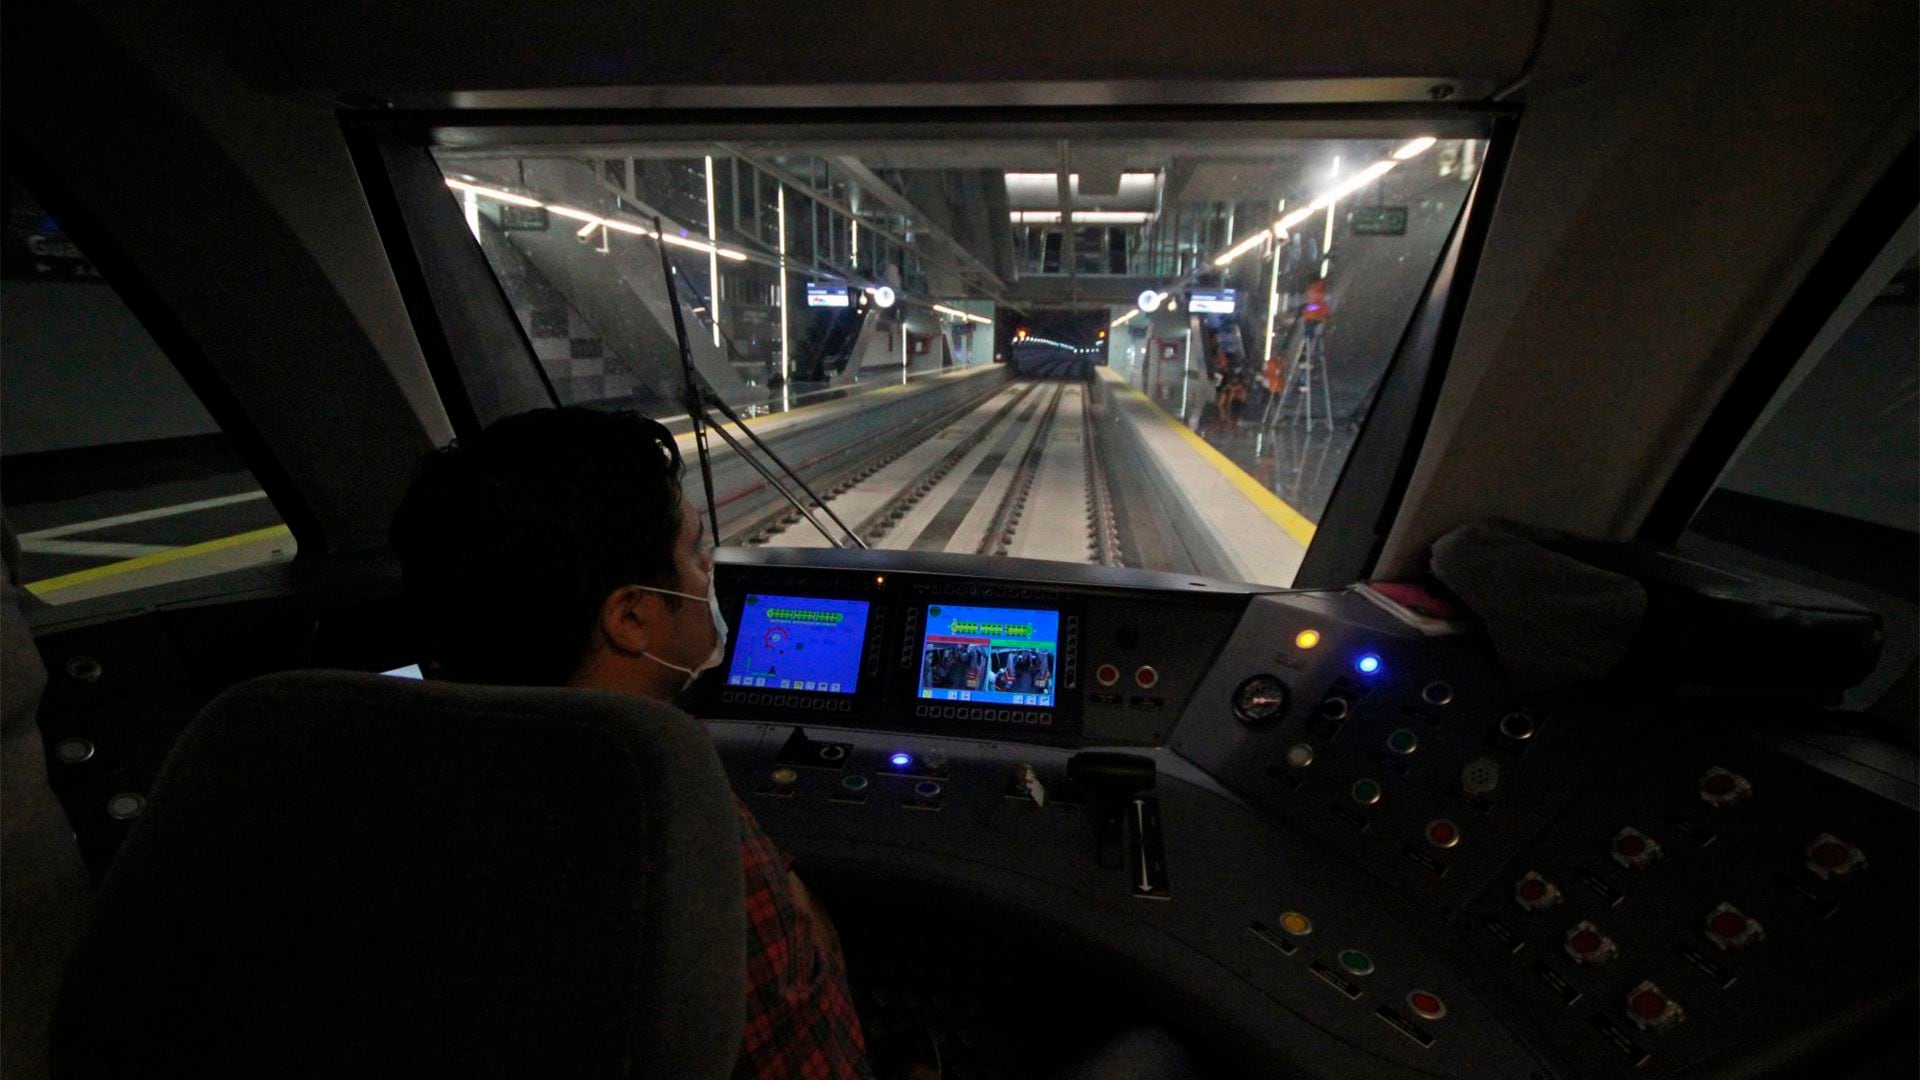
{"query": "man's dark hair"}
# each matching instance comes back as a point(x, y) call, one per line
point(510, 540)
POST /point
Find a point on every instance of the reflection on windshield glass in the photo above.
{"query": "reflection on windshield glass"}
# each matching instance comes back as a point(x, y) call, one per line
point(1144, 352)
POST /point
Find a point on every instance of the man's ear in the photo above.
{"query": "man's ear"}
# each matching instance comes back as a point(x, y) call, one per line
point(631, 618)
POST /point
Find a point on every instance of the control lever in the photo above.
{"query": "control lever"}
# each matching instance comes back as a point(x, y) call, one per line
point(1114, 779)
point(805, 753)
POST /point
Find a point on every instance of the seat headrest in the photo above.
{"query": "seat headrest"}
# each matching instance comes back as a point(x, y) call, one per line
point(343, 874)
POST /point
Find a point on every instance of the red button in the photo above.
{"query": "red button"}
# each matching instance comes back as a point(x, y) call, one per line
point(1108, 674)
point(1648, 1003)
point(1718, 784)
point(1532, 889)
point(1146, 678)
point(1729, 924)
point(1630, 845)
point(1830, 854)
point(1426, 1006)
point(1584, 942)
point(1442, 833)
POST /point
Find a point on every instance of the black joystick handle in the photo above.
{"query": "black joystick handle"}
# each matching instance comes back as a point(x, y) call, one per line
point(1113, 779)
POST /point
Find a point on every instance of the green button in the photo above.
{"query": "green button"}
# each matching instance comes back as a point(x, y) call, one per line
point(1356, 962)
point(1366, 792)
point(855, 782)
point(1403, 742)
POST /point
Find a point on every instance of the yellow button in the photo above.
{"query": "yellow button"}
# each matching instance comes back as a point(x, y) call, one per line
point(785, 776)
point(1307, 639)
point(1296, 924)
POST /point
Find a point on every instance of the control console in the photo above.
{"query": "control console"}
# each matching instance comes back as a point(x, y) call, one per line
point(1330, 823)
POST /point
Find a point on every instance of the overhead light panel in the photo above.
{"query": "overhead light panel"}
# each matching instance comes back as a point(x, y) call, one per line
point(1116, 323)
point(1082, 217)
point(1112, 217)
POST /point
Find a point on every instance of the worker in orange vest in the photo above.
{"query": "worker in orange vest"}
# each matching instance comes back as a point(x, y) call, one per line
point(1314, 312)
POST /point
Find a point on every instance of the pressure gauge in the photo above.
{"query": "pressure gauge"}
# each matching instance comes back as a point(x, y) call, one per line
point(1260, 699)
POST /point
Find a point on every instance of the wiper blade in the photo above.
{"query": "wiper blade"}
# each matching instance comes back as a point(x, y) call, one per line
point(700, 394)
point(719, 404)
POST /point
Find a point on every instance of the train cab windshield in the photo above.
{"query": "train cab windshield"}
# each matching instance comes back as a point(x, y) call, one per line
point(1237, 293)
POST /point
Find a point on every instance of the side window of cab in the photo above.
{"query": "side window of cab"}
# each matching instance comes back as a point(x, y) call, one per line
point(1825, 489)
point(114, 474)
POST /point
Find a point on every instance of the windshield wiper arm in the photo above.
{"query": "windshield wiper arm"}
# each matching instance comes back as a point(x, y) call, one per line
point(700, 394)
point(713, 399)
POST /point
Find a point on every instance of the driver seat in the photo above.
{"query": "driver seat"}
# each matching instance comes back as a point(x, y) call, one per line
point(343, 874)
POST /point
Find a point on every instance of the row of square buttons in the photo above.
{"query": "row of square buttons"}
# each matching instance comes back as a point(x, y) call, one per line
point(998, 716)
point(790, 701)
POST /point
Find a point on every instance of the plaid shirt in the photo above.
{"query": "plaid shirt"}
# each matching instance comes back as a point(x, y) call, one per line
point(800, 1019)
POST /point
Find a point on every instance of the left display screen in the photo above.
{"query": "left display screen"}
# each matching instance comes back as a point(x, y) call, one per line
point(806, 643)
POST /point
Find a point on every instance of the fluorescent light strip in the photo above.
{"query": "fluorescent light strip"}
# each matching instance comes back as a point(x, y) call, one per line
point(713, 255)
point(595, 220)
point(1292, 219)
point(1347, 187)
point(786, 357)
point(1353, 183)
point(701, 245)
point(495, 194)
point(1123, 318)
point(958, 314)
point(1415, 148)
point(1242, 247)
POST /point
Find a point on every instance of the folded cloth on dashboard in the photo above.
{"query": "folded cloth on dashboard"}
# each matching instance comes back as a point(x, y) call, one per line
point(1553, 619)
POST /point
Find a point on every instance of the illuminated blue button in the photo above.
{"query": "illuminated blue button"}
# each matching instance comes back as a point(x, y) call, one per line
point(1367, 664)
point(901, 761)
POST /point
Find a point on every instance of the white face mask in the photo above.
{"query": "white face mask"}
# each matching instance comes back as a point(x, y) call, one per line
point(719, 651)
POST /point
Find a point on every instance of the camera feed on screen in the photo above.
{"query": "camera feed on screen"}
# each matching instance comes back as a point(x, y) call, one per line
point(803, 643)
point(995, 656)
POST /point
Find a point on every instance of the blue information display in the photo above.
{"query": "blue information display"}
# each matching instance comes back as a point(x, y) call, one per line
point(799, 643)
point(994, 656)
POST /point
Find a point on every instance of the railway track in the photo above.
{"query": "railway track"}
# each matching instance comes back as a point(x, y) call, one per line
point(1019, 473)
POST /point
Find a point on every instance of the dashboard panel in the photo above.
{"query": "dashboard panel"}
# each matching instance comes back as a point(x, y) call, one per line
point(925, 646)
point(1344, 836)
point(1323, 835)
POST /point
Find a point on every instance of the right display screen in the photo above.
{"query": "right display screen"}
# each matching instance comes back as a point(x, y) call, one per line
point(990, 655)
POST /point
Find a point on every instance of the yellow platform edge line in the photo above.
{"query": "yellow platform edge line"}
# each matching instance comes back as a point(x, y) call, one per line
point(1291, 521)
point(158, 558)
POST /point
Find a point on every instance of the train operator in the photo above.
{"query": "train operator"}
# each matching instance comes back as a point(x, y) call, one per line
point(556, 549)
